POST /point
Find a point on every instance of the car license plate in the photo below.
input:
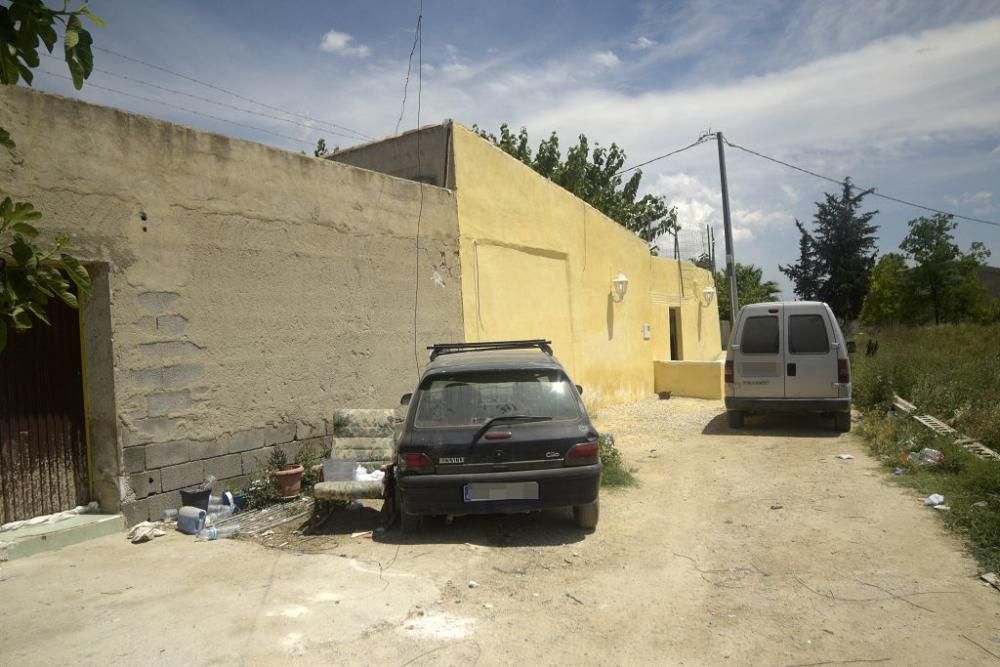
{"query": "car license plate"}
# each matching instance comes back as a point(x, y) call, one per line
point(501, 491)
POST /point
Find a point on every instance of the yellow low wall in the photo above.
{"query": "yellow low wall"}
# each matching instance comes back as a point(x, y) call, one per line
point(697, 379)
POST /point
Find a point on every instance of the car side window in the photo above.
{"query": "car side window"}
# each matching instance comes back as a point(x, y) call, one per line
point(807, 335)
point(760, 335)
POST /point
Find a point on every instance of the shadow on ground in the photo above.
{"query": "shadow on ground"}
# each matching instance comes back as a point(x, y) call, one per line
point(545, 528)
point(770, 424)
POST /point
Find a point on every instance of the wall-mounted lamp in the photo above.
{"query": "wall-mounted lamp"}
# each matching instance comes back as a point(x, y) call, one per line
point(618, 287)
point(708, 293)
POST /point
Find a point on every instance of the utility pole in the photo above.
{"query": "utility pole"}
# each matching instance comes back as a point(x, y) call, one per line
point(728, 223)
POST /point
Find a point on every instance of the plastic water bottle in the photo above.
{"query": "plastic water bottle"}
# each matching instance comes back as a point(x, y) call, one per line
point(220, 533)
point(191, 519)
point(169, 515)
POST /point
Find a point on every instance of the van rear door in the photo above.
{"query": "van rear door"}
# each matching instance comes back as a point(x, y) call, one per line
point(811, 352)
point(758, 358)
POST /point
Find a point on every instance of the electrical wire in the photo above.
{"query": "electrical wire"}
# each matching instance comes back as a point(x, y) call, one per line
point(419, 43)
point(874, 193)
point(172, 91)
point(409, 66)
point(702, 139)
point(220, 89)
point(180, 108)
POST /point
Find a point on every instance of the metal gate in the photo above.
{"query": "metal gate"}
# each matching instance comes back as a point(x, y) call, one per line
point(43, 451)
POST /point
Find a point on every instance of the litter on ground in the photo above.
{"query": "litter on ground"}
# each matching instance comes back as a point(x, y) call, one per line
point(934, 499)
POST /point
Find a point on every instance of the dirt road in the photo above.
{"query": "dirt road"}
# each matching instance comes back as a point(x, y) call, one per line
point(758, 547)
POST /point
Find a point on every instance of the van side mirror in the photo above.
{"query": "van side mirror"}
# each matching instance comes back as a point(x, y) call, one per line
point(851, 346)
point(579, 389)
point(405, 399)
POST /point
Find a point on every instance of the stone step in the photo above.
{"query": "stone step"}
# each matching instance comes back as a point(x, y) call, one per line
point(31, 540)
point(358, 423)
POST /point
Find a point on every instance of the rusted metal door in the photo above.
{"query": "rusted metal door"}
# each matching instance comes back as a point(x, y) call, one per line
point(43, 452)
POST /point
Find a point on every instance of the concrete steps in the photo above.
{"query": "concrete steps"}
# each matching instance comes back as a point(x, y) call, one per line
point(30, 540)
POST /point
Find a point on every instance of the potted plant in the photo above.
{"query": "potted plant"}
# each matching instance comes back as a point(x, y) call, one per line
point(287, 477)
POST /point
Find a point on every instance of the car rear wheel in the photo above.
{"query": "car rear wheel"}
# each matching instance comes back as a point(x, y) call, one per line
point(842, 421)
point(408, 523)
point(587, 515)
point(735, 418)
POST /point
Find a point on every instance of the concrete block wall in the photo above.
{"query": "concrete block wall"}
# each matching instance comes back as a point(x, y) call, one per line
point(245, 292)
point(156, 472)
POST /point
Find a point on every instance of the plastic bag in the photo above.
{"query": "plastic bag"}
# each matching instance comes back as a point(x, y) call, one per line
point(934, 499)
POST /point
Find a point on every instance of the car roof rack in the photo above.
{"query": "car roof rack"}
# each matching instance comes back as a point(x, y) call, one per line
point(450, 348)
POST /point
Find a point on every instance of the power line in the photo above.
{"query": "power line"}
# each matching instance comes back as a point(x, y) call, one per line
point(181, 108)
point(172, 91)
point(702, 139)
point(874, 192)
point(409, 66)
point(220, 89)
point(419, 43)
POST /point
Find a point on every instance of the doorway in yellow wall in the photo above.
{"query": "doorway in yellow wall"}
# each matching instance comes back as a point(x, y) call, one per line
point(676, 346)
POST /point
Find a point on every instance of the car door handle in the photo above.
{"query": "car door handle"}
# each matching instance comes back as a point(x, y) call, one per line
point(791, 370)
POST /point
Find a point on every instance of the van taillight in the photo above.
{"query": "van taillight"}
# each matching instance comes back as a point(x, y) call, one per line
point(416, 462)
point(729, 371)
point(843, 371)
point(586, 453)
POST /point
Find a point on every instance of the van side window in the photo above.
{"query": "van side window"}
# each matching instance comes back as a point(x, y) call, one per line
point(760, 335)
point(807, 335)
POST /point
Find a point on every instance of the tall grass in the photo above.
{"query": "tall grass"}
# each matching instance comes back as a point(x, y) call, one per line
point(949, 371)
point(953, 373)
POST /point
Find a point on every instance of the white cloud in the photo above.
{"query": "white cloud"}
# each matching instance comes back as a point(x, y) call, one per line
point(341, 44)
point(790, 193)
point(642, 44)
point(981, 202)
point(605, 59)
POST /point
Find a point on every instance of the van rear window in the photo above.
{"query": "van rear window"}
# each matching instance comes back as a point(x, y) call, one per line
point(807, 335)
point(760, 335)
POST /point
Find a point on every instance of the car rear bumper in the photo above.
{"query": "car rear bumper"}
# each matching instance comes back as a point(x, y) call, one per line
point(788, 404)
point(445, 494)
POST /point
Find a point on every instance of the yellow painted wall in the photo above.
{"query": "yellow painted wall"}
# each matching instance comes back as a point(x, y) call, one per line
point(698, 379)
point(537, 262)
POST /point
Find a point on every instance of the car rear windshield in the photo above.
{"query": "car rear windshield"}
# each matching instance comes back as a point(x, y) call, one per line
point(807, 335)
point(760, 335)
point(469, 399)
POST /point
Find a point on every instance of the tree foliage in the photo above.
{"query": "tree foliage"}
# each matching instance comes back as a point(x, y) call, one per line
point(30, 275)
point(886, 300)
point(592, 175)
point(931, 281)
point(750, 288)
point(836, 258)
point(944, 282)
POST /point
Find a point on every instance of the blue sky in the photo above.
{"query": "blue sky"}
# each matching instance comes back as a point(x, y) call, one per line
point(904, 96)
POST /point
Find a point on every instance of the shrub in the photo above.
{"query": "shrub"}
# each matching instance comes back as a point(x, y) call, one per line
point(615, 473)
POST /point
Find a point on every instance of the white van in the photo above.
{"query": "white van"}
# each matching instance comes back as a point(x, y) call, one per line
point(788, 356)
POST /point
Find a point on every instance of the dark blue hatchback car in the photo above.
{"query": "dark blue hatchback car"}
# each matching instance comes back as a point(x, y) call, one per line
point(496, 427)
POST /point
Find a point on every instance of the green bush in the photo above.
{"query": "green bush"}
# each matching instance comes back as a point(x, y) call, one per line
point(615, 473)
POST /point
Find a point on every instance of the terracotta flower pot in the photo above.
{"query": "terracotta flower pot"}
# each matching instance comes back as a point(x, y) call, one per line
point(288, 481)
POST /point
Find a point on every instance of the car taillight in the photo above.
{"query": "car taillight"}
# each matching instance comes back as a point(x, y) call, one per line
point(843, 371)
point(586, 453)
point(416, 462)
point(729, 371)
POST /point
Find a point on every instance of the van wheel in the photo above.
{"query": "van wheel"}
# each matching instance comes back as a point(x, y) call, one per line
point(842, 421)
point(586, 515)
point(735, 418)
